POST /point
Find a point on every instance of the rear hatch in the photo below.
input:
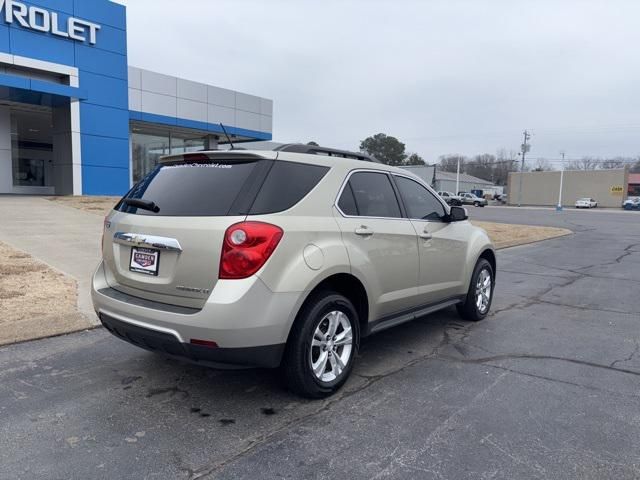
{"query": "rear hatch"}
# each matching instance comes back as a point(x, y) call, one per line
point(164, 239)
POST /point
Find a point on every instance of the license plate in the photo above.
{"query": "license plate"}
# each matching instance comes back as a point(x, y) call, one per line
point(144, 260)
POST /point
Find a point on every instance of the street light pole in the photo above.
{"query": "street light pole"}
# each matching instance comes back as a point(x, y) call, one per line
point(458, 177)
point(525, 148)
point(559, 207)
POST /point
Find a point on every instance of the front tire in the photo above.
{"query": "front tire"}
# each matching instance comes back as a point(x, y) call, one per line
point(476, 204)
point(480, 295)
point(322, 346)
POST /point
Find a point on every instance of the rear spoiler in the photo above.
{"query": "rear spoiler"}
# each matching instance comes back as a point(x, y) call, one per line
point(216, 156)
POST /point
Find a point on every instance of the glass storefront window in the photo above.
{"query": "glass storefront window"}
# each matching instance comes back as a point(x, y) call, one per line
point(148, 146)
point(145, 152)
point(32, 148)
point(181, 144)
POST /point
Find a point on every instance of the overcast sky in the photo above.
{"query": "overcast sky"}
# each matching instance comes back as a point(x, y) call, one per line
point(443, 76)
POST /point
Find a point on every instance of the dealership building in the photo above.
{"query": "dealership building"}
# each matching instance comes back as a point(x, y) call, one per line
point(75, 118)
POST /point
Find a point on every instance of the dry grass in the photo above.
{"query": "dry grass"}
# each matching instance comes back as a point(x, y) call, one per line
point(98, 205)
point(35, 300)
point(505, 235)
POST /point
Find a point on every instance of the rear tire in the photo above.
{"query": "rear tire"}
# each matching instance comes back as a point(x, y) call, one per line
point(480, 295)
point(322, 346)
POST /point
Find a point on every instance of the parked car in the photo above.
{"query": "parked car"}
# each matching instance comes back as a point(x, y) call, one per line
point(632, 203)
point(586, 203)
point(220, 259)
point(450, 198)
point(470, 199)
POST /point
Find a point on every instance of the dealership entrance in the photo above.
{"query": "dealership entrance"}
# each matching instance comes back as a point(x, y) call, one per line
point(32, 147)
point(36, 148)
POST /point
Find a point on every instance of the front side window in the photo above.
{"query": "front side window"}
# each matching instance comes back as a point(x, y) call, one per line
point(419, 202)
point(374, 195)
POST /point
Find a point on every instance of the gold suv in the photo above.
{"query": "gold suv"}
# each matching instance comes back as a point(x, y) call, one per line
point(284, 258)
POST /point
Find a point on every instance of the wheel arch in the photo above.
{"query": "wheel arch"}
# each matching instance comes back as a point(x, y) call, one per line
point(350, 287)
point(490, 256)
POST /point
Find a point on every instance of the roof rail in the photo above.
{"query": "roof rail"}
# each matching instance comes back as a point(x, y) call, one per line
point(331, 152)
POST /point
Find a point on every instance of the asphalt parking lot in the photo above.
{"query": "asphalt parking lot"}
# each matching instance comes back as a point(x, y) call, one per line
point(547, 387)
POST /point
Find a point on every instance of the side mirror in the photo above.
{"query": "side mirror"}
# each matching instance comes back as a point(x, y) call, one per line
point(458, 214)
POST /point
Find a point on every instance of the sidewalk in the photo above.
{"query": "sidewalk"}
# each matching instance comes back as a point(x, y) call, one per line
point(65, 238)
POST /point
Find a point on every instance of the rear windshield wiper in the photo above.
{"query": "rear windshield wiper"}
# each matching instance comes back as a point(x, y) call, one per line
point(143, 204)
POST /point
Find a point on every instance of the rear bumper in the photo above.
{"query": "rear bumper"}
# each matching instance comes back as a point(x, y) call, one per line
point(249, 323)
point(165, 343)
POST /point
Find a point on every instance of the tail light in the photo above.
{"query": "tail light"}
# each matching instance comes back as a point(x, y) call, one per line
point(246, 248)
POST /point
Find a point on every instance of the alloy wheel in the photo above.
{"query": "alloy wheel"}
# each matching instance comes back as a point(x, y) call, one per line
point(483, 291)
point(331, 346)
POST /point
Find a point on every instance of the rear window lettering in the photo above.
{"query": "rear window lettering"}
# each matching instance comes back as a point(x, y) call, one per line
point(191, 190)
point(251, 187)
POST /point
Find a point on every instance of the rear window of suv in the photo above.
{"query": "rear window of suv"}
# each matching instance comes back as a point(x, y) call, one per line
point(253, 187)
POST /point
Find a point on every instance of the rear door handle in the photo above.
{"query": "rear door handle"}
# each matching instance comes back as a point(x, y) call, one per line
point(425, 236)
point(364, 231)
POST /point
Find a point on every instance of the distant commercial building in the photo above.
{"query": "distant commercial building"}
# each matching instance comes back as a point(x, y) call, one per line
point(608, 187)
point(633, 189)
point(446, 181)
point(425, 172)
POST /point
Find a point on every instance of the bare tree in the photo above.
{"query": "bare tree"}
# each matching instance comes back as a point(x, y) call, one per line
point(542, 165)
point(506, 161)
point(617, 162)
point(449, 163)
point(414, 159)
point(636, 166)
point(482, 166)
point(585, 163)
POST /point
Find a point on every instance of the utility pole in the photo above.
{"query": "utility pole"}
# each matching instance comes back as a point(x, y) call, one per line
point(458, 177)
point(525, 148)
point(559, 207)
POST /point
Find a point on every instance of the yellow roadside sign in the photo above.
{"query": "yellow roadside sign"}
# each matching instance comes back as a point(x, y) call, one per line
point(617, 190)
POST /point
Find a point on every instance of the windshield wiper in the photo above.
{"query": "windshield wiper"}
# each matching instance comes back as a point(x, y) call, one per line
point(143, 204)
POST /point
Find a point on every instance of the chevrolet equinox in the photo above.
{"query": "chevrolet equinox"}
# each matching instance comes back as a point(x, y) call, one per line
point(283, 258)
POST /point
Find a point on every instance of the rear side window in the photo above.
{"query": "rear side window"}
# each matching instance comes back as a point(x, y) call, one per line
point(207, 189)
point(374, 195)
point(286, 184)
